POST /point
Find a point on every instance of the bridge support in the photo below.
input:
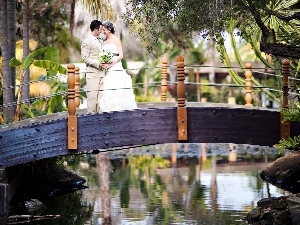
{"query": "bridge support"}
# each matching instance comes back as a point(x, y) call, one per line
point(72, 119)
point(4, 197)
point(181, 107)
point(163, 85)
point(285, 126)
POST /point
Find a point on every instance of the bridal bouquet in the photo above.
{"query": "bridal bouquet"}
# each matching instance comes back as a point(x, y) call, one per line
point(105, 57)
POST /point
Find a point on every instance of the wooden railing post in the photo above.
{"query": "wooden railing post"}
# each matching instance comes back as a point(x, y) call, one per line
point(181, 106)
point(164, 75)
point(72, 119)
point(248, 75)
point(285, 126)
point(77, 87)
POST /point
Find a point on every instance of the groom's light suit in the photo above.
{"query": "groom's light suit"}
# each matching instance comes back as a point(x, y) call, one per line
point(90, 49)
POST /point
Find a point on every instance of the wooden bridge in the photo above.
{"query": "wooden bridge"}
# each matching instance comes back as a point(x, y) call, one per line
point(73, 132)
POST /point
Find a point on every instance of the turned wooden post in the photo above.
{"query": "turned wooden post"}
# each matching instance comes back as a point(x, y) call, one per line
point(181, 106)
point(4, 196)
point(285, 126)
point(164, 74)
point(77, 87)
point(72, 119)
point(248, 75)
point(198, 85)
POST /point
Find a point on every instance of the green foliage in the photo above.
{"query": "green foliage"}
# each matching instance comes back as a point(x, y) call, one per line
point(151, 70)
point(28, 111)
point(14, 62)
point(49, 26)
point(49, 63)
point(177, 21)
point(195, 55)
point(50, 66)
point(292, 113)
point(234, 75)
point(57, 102)
point(147, 161)
point(290, 143)
point(33, 56)
point(150, 98)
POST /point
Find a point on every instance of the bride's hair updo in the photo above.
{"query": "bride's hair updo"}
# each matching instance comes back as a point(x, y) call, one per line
point(109, 26)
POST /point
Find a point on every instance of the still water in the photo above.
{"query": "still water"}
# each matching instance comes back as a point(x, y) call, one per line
point(167, 184)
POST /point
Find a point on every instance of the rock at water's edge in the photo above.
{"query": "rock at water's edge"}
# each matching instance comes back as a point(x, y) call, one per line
point(284, 173)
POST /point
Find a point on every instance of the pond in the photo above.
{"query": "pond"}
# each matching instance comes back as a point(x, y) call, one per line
point(166, 184)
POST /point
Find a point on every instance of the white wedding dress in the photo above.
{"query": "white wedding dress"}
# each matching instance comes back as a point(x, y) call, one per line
point(117, 93)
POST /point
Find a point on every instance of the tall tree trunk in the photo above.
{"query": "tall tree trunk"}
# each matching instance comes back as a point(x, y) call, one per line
point(8, 48)
point(72, 17)
point(25, 13)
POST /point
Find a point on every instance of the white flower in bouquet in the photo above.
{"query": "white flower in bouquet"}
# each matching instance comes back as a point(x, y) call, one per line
point(105, 57)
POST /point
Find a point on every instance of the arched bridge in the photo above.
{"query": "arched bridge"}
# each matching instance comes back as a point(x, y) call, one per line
point(74, 132)
point(211, 124)
point(165, 122)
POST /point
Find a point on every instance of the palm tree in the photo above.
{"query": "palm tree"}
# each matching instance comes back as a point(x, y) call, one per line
point(100, 8)
point(8, 43)
point(25, 13)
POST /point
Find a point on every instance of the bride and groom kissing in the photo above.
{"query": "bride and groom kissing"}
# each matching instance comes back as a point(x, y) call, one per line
point(108, 86)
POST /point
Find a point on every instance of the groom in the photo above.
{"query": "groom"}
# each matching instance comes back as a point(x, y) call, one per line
point(90, 49)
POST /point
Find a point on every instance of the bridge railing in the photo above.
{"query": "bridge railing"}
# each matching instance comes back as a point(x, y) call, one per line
point(181, 67)
point(163, 85)
point(284, 126)
point(74, 89)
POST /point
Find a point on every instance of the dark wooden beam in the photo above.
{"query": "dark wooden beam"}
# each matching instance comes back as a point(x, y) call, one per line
point(141, 127)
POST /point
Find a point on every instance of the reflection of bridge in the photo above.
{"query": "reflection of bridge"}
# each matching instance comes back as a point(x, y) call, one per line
point(73, 132)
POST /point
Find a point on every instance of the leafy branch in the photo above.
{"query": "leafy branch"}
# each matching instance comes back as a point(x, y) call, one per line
point(49, 63)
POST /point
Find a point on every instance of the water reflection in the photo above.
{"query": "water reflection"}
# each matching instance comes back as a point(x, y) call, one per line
point(104, 168)
point(175, 184)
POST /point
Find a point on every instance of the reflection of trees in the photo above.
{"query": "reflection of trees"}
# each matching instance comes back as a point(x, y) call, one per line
point(173, 189)
point(166, 193)
point(141, 173)
point(71, 209)
point(76, 161)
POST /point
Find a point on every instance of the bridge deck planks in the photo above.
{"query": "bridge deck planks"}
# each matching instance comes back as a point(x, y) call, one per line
point(141, 127)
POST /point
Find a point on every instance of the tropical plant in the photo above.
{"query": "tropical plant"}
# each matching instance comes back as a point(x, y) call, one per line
point(221, 48)
point(150, 72)
point(282, 31)
point(175, 20)
point(100, 8)
point(49, 63)
point(290, 114)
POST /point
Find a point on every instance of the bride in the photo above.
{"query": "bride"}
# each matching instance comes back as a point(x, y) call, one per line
point(117, 93)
